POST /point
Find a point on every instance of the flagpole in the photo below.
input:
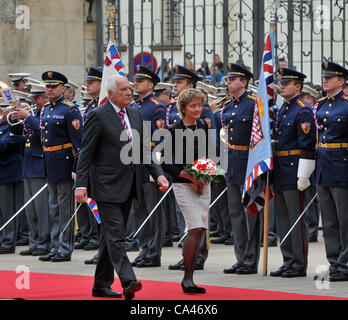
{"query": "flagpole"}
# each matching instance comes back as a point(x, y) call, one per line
point(111, 13)
point(265, 226)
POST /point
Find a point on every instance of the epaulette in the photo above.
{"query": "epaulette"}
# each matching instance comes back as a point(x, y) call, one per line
point(47, 103)
point(300, 103)
point(321, 99)
point(345, 97)
point(68, 103)
point(155, 101)
point(250, 96)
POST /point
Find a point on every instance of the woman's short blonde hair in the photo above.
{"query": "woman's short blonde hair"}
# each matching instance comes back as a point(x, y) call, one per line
point(185, 97)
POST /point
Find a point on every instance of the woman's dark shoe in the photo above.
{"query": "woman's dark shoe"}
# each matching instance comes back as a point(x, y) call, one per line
point(192, 289)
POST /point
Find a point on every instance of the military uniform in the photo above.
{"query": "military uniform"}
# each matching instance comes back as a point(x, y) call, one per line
point(61, 125)
point(34, 179)
point(11, 174)
point(87, 224)
point(152, 235)
point(294, 135)
point(237, 117)
point(331, 114)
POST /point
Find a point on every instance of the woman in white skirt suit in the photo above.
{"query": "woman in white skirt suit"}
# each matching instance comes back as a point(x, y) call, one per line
point(192, 195)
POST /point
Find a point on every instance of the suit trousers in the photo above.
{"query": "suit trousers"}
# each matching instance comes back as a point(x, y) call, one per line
point(112, 254)
point(61, 210)
point(333, 208)
point(22, 228)
point(151, 236)
point(245, 228)
point(289, 205)
point(37, 213)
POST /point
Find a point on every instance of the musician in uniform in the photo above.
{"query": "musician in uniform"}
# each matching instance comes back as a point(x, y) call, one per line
point(11, 175)
point(331, 115)
point(61, 130)
point(34, 175)
point(294, 162)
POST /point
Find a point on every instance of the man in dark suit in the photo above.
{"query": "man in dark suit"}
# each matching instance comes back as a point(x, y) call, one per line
point(113, 184)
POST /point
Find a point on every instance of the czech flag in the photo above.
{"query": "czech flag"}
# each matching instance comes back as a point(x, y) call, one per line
point(93, 206)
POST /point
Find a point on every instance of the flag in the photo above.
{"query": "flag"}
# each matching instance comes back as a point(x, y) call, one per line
point(112, 65)
point(94, 209)
point(260, 158)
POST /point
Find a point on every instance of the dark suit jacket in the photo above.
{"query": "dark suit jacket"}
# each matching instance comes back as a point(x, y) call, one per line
point(110, 179)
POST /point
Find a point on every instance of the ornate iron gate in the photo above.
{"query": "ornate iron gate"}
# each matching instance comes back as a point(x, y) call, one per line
point(308, 31)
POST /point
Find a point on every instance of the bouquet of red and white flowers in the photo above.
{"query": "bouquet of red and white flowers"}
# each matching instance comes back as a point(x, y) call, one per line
point(205, 170)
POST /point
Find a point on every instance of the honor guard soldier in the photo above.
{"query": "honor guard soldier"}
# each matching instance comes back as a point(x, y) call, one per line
point(93, 87)
point(294, 163)
point(34, 175)
point(11, 176)
point(61, 129)
point(186, 79)
point(236, 117)
point(331, 115)
point(153, 111)
point(87, 223)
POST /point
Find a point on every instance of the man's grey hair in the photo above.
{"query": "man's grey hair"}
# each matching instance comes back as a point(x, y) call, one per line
point(111, 84)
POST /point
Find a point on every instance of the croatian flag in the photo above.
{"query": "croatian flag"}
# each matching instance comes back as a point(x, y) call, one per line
point(260, 151)
point(93, 206)
point(112, 65)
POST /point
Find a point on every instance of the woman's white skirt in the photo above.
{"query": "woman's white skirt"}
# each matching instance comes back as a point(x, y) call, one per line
point(194, 207)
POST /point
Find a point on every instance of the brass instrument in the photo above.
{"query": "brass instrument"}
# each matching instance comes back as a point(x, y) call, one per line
point(10, 109)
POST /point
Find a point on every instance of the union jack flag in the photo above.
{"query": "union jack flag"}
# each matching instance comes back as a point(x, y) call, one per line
point(112, 65)
point(94, 209)
point(260, 158)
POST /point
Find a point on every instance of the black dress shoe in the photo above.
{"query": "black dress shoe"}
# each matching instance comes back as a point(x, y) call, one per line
point(313, 239)
point(60, 258)
point(245, 269)
point(192, 289)
point(80, 245)
point(94, 260)
point(293, 273)
point(148, 263)
point(338, 276)
point(279, 272)
point(47, 257)
point(39, 252)
point(233, 269)
point(6, 250)
point(136, 260)
point(198, 266)
point(105, 292)
point(176, 266)
point(168, 243)
point(90, 246)
point(229, 241)
point(28, 252)
point(131, 288)
point(214, 234)
point(220, 240)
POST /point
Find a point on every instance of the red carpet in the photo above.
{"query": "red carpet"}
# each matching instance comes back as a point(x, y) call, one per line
point(44, 286)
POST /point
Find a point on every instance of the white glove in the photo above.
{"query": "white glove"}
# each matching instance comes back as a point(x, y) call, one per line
point(304, 171)
point(303, 183)
point(73, 176)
